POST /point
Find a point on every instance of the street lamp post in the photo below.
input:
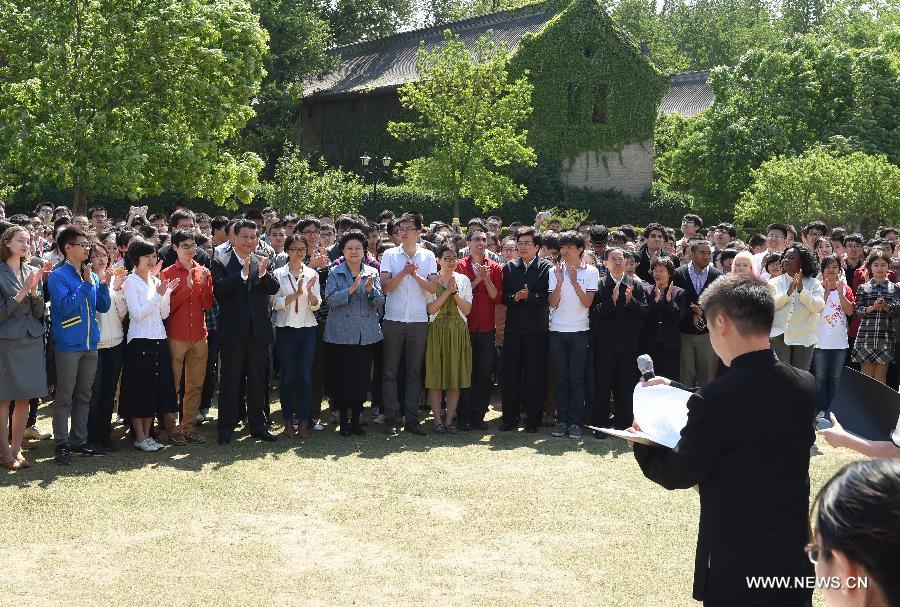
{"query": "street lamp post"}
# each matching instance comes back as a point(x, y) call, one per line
point(374, 170)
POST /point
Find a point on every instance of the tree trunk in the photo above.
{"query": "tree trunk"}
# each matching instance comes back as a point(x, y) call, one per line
point(456, 207)
point(79, 199)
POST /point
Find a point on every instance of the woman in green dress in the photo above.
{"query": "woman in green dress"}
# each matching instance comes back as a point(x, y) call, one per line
point(448, 353)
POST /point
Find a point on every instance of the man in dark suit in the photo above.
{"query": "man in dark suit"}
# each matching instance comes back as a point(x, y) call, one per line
point(242, 286)
point(617, 316)
point(654, 239)
point(526, 282)
point(754, 486)
point(698, 361)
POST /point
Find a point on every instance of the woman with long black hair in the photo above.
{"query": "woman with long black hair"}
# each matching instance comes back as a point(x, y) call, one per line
point(856, 542)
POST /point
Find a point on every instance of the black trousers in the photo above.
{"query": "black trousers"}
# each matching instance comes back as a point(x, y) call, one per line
point(666, 363)
point(236, 359)
point(212, 370)
point(524, 377)
point(616, 374)
point(474, 401)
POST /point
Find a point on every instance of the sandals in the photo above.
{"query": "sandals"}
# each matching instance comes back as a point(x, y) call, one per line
point(23, 463)
point(13, 465)
point(452, 429)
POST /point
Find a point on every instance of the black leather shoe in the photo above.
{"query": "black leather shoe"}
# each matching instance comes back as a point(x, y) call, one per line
point(465, 426)
point(531, 429)
point(266, 436)
point(86, 449)
point(416, 429)
point(357, 431)
point(600, 435)
point(224, 440)
point(63, 456)
point(109, 445)
point(345, 432)
point(505, 427)
point(480, 425)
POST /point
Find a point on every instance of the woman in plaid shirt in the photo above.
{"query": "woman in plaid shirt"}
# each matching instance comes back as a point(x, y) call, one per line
point(877, 301)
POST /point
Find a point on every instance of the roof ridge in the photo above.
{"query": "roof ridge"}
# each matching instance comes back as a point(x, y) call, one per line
point(535, 8)
point(689, 76)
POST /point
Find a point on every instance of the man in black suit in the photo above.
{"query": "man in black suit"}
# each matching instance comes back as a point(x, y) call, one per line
point(617, 316)
point(754, 486)
point(242, 286)
point(698, 361)
point(526, 282)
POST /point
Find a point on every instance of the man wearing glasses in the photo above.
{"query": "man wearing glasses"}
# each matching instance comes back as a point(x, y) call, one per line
point(76, 296)
point(182, 219)
point(776, 240)
point(186, 329)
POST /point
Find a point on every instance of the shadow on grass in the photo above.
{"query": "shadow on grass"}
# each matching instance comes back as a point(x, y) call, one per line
point(325, 445)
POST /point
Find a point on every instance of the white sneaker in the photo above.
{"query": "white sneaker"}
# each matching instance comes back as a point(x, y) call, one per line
point(145, 445)
point(155, 444)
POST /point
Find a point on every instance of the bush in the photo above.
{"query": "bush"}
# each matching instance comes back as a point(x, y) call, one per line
point(857, 191)
point(302, 188)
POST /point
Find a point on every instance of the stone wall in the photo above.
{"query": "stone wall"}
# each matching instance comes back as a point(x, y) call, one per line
point(629, 171)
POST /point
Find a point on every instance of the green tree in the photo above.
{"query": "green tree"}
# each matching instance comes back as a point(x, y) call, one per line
point(473, 117)
point(303, 188)
point(298, 38)
point(781, 103)
point(354, 20)
point(858, 191)
point(128, 99)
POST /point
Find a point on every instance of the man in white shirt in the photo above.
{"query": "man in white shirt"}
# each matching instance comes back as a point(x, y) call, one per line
point(406, 271)
point(776, 240)
point(572, 287)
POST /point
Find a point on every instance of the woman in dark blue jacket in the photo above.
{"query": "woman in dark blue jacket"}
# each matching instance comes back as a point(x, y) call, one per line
point(666, 307)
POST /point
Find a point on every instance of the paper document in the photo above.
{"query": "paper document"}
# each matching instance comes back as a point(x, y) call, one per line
point(660, 411)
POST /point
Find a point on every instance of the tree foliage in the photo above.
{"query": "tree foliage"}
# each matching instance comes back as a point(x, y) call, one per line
point(129, 99)
point(301, 187)
point(472, 116)
point(782, 103)
point(858, 191)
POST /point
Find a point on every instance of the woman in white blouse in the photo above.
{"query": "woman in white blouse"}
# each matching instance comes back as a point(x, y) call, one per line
point(448, 351)
point(298, 297)
point(148, 384)
point(799, 299)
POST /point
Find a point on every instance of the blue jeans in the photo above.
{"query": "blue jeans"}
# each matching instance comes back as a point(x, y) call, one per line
point(296, 351)
point(569, 352)
point(828, 366)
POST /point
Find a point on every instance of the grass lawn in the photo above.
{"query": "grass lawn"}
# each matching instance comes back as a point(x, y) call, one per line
point(473, 519)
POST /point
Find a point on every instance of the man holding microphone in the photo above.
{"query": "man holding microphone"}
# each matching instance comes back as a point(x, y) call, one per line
point(754, 486)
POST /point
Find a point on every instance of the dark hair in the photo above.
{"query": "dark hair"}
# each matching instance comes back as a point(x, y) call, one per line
point(756, 240)
point(93, 210)
point(20, 219)
point(631, 255)
point(694, 219)
point(664, 261)
point(61, 222)
point(68, 236)
point(859, 514)
point(728, 228)
point(696, 243)
point(828, 260)
point(777, 226)
point(62, 209)
point(97, 247)
point(744, 300)
point(477, 227)
point(884, 231)
point(617, 235)
point(138, 248)
point(41, 205)
point(242, 224)
point(124, 237)
point(854, 237)
point(278, 225)
point(629, 231)
point(156, 217)
point(443, 248)
point(305, 223)
point(184, 234)
point(416, 218)
point(571, 238)
point(253, 214)
point(148, 231)
point(353, 235)
point(203, 218)
point(180, 214)
point(599, 234)
point(296, 238)
point(876, 254)
point(815, 225)
point(807, 258)
point(529, 231)
point(727, 254)
point(770, 259)
point(219, 223)
point(384, 246)
point(385, 216)
point(838, 234)
point(550, 240)
point(654, 226)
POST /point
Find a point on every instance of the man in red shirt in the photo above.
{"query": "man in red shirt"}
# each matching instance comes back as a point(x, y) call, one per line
point(487, 292)
point(186, 328)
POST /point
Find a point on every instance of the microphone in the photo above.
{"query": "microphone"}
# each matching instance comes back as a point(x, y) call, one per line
point(645, 366)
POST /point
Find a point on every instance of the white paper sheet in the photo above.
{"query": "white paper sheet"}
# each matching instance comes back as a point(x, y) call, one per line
point(661, 412)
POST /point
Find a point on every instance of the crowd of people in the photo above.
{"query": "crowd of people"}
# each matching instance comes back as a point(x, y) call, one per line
point(145, 319)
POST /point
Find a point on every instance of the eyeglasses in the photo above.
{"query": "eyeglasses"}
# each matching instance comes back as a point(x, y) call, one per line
point(814, 552)
point(310, 232)
point(187, 247)
point(519, 243)
point(83, 245)
point(296, 250)
point(479, 239)
point(776, 237)
point(327, 234)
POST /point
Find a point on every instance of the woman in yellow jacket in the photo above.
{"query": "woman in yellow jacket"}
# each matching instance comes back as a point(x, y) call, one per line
point(799, 299)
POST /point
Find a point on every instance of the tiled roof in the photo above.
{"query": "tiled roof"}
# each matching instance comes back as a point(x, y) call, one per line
point(389, 62)
point(688, 95)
